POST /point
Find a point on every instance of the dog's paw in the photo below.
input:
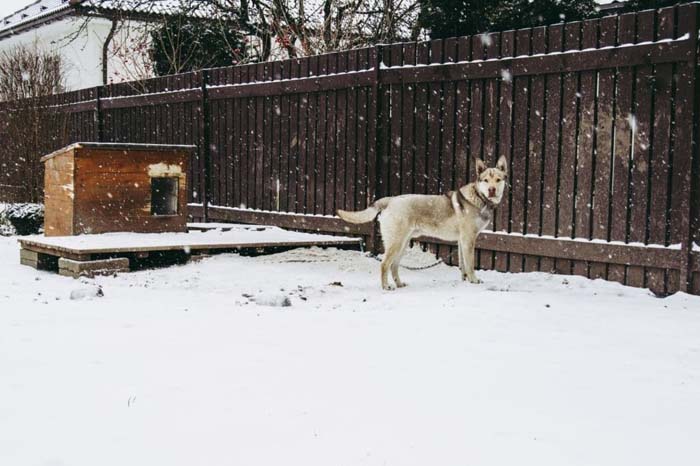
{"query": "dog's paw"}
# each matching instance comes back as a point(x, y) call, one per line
point(401, 285)
point(475, 280)
point(388, 288)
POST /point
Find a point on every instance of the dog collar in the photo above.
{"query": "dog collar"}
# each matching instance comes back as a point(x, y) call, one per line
point(487, 202)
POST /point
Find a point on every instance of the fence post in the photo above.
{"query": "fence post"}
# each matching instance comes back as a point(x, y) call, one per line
point(99, 117)
point(205, 149)
point(375, 155)
point(687, 106)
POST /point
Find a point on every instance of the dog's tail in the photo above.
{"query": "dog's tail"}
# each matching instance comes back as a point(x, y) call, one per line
point(367, 215)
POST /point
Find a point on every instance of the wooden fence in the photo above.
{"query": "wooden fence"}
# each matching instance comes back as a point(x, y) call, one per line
point(597, 118)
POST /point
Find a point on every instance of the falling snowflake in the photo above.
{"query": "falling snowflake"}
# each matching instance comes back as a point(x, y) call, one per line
point(506, 75)
point(486, 39)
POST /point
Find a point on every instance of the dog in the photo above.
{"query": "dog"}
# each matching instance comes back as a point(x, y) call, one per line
point(455, 216)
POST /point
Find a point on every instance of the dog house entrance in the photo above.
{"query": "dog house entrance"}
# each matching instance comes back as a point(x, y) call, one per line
point(164, 196)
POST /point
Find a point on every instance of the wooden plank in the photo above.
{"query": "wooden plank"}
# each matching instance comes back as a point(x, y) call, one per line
point(434, 118)
point(394, 126)
point(312, 143)
point(244, 112)
point(295, 86)
point(238, 130)
point(260, 179)
point(576, 250)
point(85, 253)
point(448, 123)
point(408, 94)
point(567, 166)
point(341, 123)
point(622, 146)
point(265, 142)
point(462, 89)
point(583, 198)
point(552, 131)
point(321, 151)
point(518, 176)
point(505, 142)
point(302, 169)
point(602, 179)
point(287, 220)
point(361, 138)
point(331, 138)
point(420, 166)
point(485, 259)
point(641, 140)
point(660, 152)
point(533, 208)
point(570, 61)
point(683, 146)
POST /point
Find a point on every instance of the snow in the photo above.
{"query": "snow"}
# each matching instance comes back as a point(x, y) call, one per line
point(180, 366)
point(239, 235)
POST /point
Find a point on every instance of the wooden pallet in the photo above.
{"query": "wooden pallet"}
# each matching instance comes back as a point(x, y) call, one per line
point(90, 255)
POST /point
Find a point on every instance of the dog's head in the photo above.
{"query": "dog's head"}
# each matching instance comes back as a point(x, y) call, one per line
point(491, 182)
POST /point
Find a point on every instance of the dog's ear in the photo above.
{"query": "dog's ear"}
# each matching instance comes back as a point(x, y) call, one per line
point(502, 164)
point(480, 166)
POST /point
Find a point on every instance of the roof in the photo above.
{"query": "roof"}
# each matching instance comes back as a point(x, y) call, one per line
point(40, 10)
point(45, 11)
point(121, 146)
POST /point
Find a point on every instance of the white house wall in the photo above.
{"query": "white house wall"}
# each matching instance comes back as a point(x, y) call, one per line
point(82, 56)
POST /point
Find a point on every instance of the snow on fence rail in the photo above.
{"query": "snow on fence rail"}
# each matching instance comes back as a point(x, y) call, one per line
point(597, 119)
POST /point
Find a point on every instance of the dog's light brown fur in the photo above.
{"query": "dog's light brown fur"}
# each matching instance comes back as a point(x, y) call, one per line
point(458, 216)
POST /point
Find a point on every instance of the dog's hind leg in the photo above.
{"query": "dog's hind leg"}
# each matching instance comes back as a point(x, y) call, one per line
point(392, 257)
point(397, 262)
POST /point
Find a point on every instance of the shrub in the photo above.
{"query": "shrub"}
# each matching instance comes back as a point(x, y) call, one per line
point(24, 219)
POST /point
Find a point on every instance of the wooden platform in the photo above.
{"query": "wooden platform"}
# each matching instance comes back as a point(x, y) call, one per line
point(88, 255)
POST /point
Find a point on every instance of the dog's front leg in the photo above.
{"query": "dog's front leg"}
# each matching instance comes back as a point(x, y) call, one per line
point(467, 248)
point(460, 253)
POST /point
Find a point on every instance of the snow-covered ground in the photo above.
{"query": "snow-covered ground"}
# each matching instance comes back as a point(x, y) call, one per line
point(200, 365)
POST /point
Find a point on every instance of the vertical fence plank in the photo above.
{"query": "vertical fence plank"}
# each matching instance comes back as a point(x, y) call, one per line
point(408, 94)
point(662, 82)
point(605, 115)
point(567, 166)
point(535, 150)
point(683, 145)
point(552, 130)
point(505, 142)
point(585, 143)
point(621, 150)
point(641, 142)
point(519, 177)
point(421, 123)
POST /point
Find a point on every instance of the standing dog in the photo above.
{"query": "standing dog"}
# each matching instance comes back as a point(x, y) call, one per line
point(456, 216)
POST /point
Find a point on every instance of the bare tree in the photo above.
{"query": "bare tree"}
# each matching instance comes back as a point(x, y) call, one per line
point(28, 77)
point(274, 29)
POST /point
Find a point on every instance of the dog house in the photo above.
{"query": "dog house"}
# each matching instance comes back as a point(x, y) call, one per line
point(100, 188)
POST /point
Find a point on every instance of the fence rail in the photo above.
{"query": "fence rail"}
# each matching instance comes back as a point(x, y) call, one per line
point(598, 120)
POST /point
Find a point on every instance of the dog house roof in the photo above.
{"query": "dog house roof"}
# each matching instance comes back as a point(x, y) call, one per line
point(121, 146)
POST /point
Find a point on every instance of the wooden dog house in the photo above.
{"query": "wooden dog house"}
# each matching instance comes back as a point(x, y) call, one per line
point(99, 188)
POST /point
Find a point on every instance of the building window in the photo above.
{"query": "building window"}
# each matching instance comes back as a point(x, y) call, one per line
point(164, 196)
